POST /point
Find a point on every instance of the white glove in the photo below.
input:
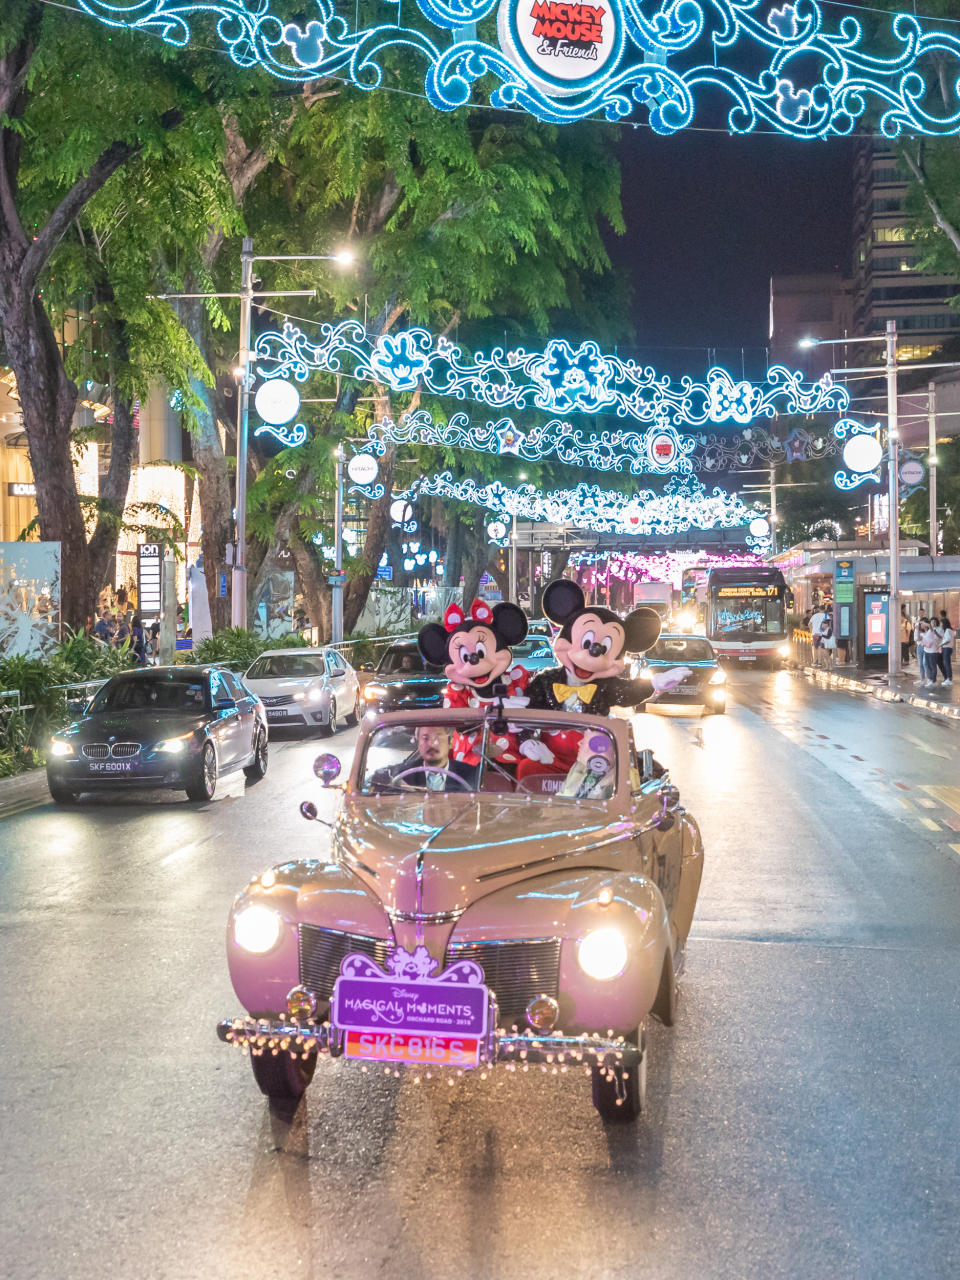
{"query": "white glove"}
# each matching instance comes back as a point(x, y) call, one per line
point(515, 701)
point(663, 681)
point(534, 749)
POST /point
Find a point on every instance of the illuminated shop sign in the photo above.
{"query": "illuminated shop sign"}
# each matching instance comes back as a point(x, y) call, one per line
point(21, 489)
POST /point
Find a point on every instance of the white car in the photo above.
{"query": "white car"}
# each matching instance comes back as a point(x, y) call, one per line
point(316, 688)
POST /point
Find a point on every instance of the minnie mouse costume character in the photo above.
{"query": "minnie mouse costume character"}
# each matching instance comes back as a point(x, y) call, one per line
point(590, 648)
point(475, 653)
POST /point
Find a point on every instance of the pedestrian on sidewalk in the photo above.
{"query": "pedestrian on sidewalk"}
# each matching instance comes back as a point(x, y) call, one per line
point(932, 643)
point(828, 642)
point(816, 622)
point(138, 641)
point(906, 635)
point(946, 649)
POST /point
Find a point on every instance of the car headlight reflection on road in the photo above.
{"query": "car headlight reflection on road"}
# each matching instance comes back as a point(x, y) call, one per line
point(602, 954)
point(373, 691)
point(719, 677)
point(256, 929)
point(172, 746)
point(60, 748)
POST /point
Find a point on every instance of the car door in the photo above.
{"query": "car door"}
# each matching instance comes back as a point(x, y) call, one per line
point(226, 721)
point(337, 679)
point(351, 685)
point(247, 706)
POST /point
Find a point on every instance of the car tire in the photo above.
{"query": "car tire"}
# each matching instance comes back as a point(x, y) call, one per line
point(718, 711)
point(60, 794)
point(354, 717)
point(623, 1099)
point(203, 787)
point(665, 1005)
point(280, 1077)
point(257, 769)
point(330, 728)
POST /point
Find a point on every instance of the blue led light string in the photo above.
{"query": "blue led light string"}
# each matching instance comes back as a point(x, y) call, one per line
point(817, 81)
point(559, 379)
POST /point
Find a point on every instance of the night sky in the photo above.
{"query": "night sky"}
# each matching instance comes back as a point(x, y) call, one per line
point(709, 219)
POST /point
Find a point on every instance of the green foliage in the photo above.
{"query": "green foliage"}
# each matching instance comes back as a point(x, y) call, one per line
point(915, 517)
point(236, 647)
point(23, 736)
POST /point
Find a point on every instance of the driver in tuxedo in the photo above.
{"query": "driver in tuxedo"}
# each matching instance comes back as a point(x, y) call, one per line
point(430, 765)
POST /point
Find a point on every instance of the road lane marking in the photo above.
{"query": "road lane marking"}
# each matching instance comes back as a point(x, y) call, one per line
point(909, 737)
point(178, 854)
point(929, 822)
point(907, 804)
point(927, 804)
point(25, 807)
point(950, 796)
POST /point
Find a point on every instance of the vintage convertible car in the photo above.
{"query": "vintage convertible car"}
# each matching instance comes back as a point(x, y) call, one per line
point(556, 909)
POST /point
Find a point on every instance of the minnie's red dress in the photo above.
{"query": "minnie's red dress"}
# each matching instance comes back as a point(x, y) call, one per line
point(463, 695)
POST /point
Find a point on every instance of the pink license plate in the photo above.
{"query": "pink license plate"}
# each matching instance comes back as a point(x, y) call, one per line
point(406, 1046)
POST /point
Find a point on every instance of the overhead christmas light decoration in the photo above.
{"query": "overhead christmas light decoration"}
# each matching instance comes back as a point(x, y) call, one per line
point(658, 451)
point(633, 566)
point(559, 379)
point(862, 453)
point(565, 62)
point(684, 504)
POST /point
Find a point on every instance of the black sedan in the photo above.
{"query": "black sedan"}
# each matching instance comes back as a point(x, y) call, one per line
point(704, 689)
point(180, 727)
point(402, 681)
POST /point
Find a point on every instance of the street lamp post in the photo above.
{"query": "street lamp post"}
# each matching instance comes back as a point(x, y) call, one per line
point(932, 466)
point(336, 588)
point(893, 489)
point(247, 294)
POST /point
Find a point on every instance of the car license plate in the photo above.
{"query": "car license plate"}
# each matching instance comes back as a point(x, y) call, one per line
point(404, 1046)
point(687, 688)
point(111, 766)
point(748, 657)
point(275, 713)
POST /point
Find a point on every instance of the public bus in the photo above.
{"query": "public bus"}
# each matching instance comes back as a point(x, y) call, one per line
point(746, 614)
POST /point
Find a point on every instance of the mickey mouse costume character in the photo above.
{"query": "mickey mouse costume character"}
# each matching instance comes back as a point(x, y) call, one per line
point(590, 648)
point(475, 653)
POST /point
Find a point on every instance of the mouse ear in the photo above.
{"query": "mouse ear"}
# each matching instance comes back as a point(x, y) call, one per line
point(432, 643)
point(509, 622)
point(642, 630)
point(561, 600)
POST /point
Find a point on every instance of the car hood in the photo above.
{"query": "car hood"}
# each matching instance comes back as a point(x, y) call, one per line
point(412, 678)
point(144, 726)
point(268, 687)
point(433, 855)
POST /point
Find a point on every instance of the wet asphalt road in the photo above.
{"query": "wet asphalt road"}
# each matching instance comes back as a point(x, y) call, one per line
point(803, 1114)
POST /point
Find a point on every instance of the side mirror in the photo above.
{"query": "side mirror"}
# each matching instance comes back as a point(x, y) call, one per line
point(366, 666)
point(327, 769)
point(670, 798)
point(308, 810)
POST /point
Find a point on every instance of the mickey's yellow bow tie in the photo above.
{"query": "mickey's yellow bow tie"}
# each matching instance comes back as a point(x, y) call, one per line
point(584, 692)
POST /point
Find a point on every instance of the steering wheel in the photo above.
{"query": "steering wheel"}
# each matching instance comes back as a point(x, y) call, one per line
point(447, 773)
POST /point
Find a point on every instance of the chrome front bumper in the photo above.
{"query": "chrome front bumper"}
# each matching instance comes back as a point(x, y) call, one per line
point(517, 1049)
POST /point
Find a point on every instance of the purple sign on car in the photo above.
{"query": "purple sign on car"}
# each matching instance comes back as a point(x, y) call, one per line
point(407, 998)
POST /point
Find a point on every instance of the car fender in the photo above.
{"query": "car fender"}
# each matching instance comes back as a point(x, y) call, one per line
point(317, 893)
point(569, 906)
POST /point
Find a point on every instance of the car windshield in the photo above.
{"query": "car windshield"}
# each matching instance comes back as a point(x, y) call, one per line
point(404, 657)
point(534, 653)
point(151, 694)
point(273, 666)
point(471, 757)
point(680, 649)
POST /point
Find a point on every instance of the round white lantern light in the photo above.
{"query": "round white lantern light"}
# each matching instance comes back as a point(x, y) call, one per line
point(363, 469)
point(862, 454)
point(760, 527)
point(277, 402)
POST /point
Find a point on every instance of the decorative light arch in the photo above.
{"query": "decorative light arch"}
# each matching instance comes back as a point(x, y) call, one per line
point(564, 62)
point(559, 379)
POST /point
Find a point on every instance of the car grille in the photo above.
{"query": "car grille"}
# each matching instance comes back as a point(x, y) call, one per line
point(104, 751)
point(515, 971)
point(322, 950)
point(281, 700)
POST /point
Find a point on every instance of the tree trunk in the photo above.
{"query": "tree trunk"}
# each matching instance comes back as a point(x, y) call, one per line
point(214, 489)
point(378, 534)
point(47, 401)
point(476, 558)
point(315, 593)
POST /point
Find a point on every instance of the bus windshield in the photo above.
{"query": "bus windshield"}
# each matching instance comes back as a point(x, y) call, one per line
point(751, 610)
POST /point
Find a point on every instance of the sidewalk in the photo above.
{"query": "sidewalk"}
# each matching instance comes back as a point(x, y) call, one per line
point(903, 688)
point(23, 787)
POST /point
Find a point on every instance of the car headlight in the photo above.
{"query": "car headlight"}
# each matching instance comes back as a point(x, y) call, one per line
point(373, 691)
point(784, 651)
point(60, 748)
point(256, 929)
point(602, 954)
point(314, 695)
point(299, 697)
point(173, 746)
point(719, 676)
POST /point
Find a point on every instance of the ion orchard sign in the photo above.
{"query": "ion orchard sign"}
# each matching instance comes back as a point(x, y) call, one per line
point(781, 67)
